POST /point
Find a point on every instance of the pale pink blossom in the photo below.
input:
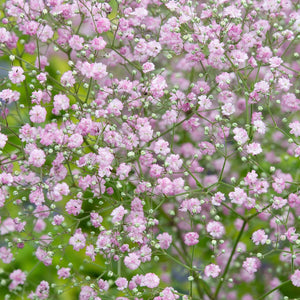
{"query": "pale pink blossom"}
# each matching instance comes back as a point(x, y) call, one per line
point(132, 261)
point(37, 158)
point(150, 280)
point(121, 283)
point(3, 140)
point(212, 270)
point(215, 229)
point(18, 277)
point(259, 237)
point(191, 238)
point(295, 278)
point(165, 240)
point(38, 114)
point(16, 75)
point(63, 273)
point(254, 148)
point(291, 234)
point(118, 214)
point(295, 128)
point(251, 264)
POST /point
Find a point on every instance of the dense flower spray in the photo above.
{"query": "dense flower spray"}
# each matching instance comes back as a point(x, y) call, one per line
point(150, 149)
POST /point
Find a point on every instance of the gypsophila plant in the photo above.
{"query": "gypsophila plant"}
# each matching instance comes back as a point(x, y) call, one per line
point(150, 149)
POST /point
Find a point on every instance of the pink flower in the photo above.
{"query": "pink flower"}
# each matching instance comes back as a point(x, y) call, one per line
point(96, 219)
point(75, 140)
point(132, 261)
point(173, 162)
point(16, 75)
point(239, 196)
point(212, 270)
point(59, 190)
point(158, 85)
point(145, 253)
point(240, 136)
point(215, 229)
point(121, 283)
point(44, 33)
point(3, 140)
point(295, 126)
point(204, 102)
point(264, 54)
point(291, 234)
point(217, 199)
point(150, 280)
point(39, 226)
point(43, 256)
point(165, 186)
point(161, 147)
point(251, 178)
point(115, 107)
point(216, 47)
point(90, 251)
point(104, 240)
point(293, 200)
point(76, 42)
point(191, 238)
point(77, 240)
point(6, 255)
point(148, 67)
point(279, 202)
point(224, 79)
point(275, 61)
point(96, 71)
point(42, 77)
point(18, 277)
point(38, 114)
point(207, 148)
point(63, 273)
point(58, 219)
point(123, 171)
point(73, 207)
point(67, 79)
point(30, 28)
point(284, 84)
point(9, 95)
point(259, 237)
point(295, 278)
point(192, 205)
point(87, 293)
point(168, 294)
point(103, 285)
point(254, 148)
point(261, 87)
point(165, 240)
point(102, 25)
point(251, 264)
point(156, 171)
point(98, 43)
point(42, 290)
point(118, 214)
point(228, 109)
point(37, 158)
point(41, 62)
point(4, 35)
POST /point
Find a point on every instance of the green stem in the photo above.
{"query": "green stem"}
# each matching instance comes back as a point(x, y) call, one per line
point(273, 290)
point(89, 90)
point(191, 273)
point(177, 261)
point(229, 260)
point(232, 210)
